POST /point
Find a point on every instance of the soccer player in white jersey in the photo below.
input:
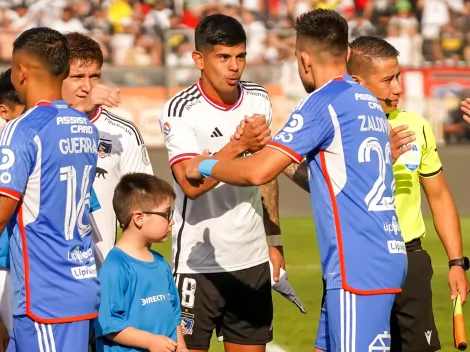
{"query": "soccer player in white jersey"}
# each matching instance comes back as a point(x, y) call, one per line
point(220, 254)
point(121, 150)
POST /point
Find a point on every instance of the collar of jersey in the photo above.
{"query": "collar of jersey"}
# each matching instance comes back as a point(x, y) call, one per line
point(96, 114)
point(218, 105)
point(393, 114)
point(60, 103)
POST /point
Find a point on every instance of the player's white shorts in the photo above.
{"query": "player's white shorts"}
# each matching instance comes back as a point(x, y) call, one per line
point(6, 299)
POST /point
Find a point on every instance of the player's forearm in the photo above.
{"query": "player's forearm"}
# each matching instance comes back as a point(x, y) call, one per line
point(180, 338)
point(447, 224)
point(132, 337)
point(195, 189)
point(270, 198)
point(298, 173)
point(243, 172)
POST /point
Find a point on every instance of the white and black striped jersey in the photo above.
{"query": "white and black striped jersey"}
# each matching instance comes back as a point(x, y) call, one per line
point(121, 150)
point(223, 229)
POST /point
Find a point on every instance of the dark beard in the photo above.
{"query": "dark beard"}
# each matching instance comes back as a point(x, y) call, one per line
point(309, 88)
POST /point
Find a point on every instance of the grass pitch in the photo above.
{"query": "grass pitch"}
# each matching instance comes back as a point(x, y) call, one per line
point(295, 332)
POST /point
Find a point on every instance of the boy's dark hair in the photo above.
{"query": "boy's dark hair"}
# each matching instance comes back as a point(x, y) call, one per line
point(324, 28)
point(365, 50)
point(84, 50)
point(47, 45)
point(139, 191)
point(218, 30)
point(8, 93)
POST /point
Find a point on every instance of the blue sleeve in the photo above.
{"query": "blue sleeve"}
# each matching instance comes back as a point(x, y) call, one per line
point(94, 202)
point(4, 251)
point(175, 298)
point(113, 311)
point(309, 128)
point(17, 158)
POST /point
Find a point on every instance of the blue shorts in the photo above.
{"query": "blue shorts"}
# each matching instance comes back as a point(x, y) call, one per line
point(353, 323)
point(30, 336)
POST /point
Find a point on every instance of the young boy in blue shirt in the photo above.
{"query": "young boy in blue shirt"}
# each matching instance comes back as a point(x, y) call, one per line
point(140, 307)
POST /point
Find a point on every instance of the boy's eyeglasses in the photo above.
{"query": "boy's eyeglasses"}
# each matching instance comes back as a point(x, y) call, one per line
point(168, 215)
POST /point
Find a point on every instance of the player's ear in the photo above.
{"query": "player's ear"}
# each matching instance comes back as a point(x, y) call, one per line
point(4, 112)
point(23, 73)
point(358, 79)
point(138, 220)
point(305, 61)
point(198, 59)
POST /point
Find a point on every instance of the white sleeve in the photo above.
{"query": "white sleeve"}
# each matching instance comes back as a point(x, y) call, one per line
point(180, 138)
point(135, 157)
point(269, 112)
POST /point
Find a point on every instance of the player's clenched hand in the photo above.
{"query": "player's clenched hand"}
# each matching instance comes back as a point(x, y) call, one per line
point(465, 106)
point(4, 337)
point(256, 133)
point(192, 169)
point(458, 283)
point(100, 95)
point(399, 140)
point(160, 343)
point(276, 256)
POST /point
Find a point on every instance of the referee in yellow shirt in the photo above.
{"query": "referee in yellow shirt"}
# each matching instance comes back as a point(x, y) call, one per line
point(373, 63)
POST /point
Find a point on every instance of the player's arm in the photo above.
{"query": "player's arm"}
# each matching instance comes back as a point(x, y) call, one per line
point(18, 157)
point(270, 200)
point(445, 216)
point(298, 173)
point(7, 208)
point(182, 146)
point(4, 336)
point(253, 170)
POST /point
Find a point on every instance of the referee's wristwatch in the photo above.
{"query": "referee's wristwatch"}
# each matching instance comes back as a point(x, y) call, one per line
point(463, 262)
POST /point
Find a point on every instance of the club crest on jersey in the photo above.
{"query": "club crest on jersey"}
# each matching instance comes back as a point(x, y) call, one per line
point(187, 323)
point(104, 148)
point(412, 158)
point(166, 128)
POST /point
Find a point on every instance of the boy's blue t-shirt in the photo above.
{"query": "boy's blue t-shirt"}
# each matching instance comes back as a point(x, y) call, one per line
point(139, 294)
point(4, 245)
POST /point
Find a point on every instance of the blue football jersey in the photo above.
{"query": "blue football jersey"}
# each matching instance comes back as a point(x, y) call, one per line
point(47, 163)
point(342, 132)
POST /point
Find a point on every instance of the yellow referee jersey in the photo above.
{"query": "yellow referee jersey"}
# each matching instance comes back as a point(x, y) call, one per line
point(421, 161)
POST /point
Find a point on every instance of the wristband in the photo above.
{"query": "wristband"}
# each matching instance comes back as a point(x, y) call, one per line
point(275, 240)
point(205, 167)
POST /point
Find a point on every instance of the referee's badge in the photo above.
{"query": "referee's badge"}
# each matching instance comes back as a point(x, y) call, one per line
point(412, 158)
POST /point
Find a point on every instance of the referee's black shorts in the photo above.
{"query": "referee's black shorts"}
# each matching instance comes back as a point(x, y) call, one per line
point(412, 321)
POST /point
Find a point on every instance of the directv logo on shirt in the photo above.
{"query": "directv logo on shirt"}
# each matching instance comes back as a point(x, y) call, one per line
point(153, 299)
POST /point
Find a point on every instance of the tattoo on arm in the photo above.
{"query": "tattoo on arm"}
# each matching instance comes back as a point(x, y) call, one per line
point(299, 174)
point(270, 200)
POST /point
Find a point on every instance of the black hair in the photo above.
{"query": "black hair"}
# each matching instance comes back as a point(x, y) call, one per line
point(366, 49)
point(8, 93)
point(324, 28)
point(47, 45)
point(218, 30)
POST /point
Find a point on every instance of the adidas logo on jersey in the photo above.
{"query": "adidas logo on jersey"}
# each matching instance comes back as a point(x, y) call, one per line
point(216, 133)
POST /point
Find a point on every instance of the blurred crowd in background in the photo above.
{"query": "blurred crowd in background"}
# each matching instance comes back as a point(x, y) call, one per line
point(158, 32)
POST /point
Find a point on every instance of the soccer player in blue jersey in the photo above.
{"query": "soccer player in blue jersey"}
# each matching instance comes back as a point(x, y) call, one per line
point(342, 130)
point(46, 172)
point(140, 307)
